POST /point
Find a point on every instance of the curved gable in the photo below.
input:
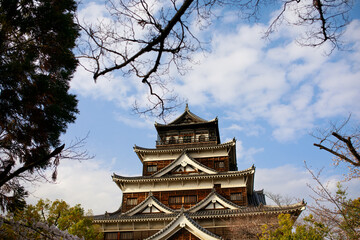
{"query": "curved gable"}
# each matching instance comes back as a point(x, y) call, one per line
point(184, 164)
point(183, 221)
point(212, 202)
point(149, 205)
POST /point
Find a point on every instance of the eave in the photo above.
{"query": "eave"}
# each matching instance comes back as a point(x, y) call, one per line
point(140, 151)
point(294, 209)
point(140, 179)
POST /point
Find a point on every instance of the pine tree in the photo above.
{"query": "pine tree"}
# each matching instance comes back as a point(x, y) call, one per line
point(36, 65)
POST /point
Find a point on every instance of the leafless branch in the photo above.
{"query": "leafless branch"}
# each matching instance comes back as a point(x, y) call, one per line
point(145, 39)
point(342, 141)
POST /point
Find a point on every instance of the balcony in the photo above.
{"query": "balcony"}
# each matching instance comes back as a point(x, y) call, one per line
point(173, 142)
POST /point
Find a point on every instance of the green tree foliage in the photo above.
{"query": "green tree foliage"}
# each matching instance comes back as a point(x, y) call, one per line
point(351, 211)
point(36, 65)
point(309, 230)
point(39, 221)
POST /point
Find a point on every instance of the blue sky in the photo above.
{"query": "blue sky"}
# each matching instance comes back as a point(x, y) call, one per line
point(268, 94)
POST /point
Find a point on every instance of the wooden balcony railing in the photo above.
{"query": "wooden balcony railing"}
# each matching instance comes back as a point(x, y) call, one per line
point(186, 140)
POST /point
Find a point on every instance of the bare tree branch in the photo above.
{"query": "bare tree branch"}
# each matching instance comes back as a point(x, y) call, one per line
point(343, 141)
point(145, 39)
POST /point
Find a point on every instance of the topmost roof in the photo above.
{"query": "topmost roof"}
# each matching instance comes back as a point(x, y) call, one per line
point(187, 117)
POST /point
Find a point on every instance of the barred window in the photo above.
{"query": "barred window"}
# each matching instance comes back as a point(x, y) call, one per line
point(202, 138)
point(126, 235)
point(190, 199)
point(236, 196)
point(219, 164)
point(131, 201)
point(187, 139)
point(182, 199)
point(175, 200)
point(152, 168)
point(172, 140)
point(110, 236)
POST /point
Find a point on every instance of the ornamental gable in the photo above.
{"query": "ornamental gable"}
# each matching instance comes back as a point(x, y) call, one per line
point(149, 205)
point(183, 221)
point(184, 164)
point(213, 201)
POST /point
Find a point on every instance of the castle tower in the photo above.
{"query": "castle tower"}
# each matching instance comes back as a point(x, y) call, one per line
point(190, 189)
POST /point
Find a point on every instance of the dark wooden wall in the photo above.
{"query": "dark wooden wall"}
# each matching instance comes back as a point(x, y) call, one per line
point(201, 194)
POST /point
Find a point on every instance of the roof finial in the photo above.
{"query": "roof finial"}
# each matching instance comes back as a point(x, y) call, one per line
point(187, 107)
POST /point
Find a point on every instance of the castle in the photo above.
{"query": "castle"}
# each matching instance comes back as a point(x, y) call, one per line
point(190, 188)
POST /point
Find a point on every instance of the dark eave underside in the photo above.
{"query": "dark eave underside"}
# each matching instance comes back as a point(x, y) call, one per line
point(180, 149)
point(245, 211)
point(118, 178)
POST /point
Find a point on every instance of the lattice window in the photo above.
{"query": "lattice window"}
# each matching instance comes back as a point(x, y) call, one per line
point(187, 139)
point(126, 235)
point(110, 236)
point(152, 168)
point(183, 199)
point(236, 197)
point(131, 201)
point(190, 199)
point(172, 140)
point(175, 200)
point(219, 164)
point(202, 138)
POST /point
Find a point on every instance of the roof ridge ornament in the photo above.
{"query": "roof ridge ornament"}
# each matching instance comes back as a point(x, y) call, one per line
point(187, 107)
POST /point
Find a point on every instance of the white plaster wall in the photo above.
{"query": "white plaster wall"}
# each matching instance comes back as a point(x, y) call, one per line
point(183, 185)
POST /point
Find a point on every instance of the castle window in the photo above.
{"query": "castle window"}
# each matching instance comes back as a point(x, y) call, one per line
point(152, 168)
point(126, 235)
point(202, 138)
point(219, 164)
point(175, 200)
point(190, 199)
point(187, 139)
point(131, 201)
point(110, 236)
point(236, 197)
point(172, 140)
point(183, 199)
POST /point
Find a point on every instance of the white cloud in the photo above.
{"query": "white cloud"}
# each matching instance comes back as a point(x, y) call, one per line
point(250, 129)
point(289, 181)
point(284, 180)
point(294, 182)
point(246, 156)
point(135, 122)
point(87, 183)
point(289, 86)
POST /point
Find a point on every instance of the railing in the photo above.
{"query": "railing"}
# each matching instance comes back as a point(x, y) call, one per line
point(185, 140)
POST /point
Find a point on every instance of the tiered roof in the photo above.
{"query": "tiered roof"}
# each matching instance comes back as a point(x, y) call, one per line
point(186, 168)
point(223, 208)
point(247, 172)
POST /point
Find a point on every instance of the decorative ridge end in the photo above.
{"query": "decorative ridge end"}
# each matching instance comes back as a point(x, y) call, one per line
point(187, 107)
